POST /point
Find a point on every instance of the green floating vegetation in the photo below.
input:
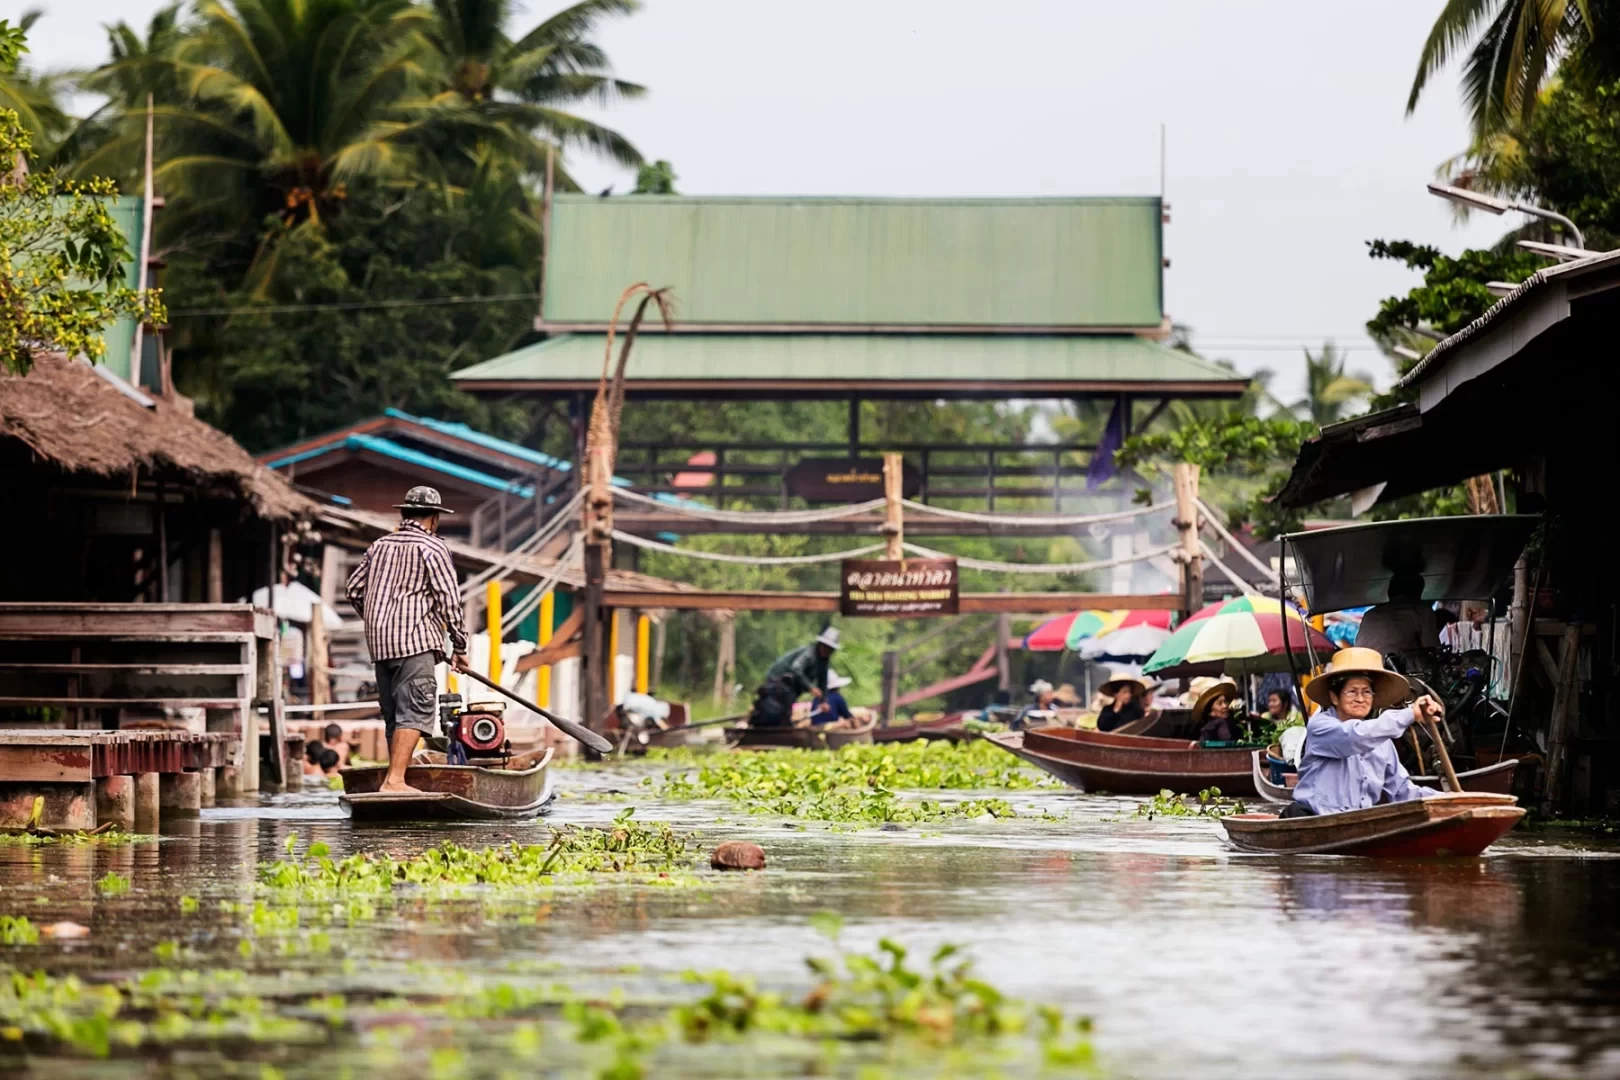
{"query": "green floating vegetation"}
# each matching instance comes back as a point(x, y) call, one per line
point(1210, 803)
point(857, 784)
point(857, 999)
point(17, 930)
point(113, 884)
point(652, 852)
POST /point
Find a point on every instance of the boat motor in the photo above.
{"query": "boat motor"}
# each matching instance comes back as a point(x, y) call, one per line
point(475, 731)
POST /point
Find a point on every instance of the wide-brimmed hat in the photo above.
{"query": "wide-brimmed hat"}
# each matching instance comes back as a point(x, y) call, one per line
point(1040, 686)
point(829, 638)
point(1225, 688)
point(1389, 688)
point(423, 497)
point(1144, 687)
point(836, 681)
point(1195, 688)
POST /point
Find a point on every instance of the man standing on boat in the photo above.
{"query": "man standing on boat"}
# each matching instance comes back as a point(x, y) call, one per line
point(405, 589)
point(799, 671)
point(1349, 761)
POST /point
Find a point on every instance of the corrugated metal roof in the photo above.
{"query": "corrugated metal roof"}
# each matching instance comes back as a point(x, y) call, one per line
point(389, 448)
point(1081, 262)
point(478, 438)
point(744, 358)
point(119, 337)
point(1433, 358)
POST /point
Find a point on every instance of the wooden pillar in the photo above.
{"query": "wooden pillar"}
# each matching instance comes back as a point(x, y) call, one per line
point(1003, 661)
point(542, 677)
point(331, 573)
point(1518, 623)
point(595, 655)
point(320, 671)
point(216, 567)
point(660, 633)
point(180, 793)
point(146, 802)
point(115, 801)
point(643, 653)
point(893, 512)
point(854, 428)
point(1563, 707)
point(891, 685)
point(725, 659)
point(1184, 476)
point(492, 613)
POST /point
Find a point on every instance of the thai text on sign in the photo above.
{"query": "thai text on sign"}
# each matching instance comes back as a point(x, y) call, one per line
point(898, 588)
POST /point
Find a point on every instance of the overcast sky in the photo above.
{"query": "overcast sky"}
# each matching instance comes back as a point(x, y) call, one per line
point(1288, 143)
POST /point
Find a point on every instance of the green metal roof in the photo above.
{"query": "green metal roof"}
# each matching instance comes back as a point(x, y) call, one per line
point(842, 365)
point(1080, 262)
point(120, 336)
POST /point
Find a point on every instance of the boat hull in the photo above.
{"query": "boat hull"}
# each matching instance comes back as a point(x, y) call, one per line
point(1130, 764)
point(799, 738)
point(452, 792)
point(1494, 779)
point(1451, 824)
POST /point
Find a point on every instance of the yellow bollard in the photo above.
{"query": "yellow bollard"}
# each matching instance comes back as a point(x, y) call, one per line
point(492, 594)
point(542, 678)
point(643, 650)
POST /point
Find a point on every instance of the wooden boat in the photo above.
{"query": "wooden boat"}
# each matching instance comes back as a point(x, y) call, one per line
point(1130, 764)
point(947, 727)
point(802, 738)
point(1160, 724)
point(522, 789)
point(1452, 823)
point(1496, 779)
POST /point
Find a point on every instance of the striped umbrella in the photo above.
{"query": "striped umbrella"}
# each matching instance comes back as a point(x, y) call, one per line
point(1234, 643)
point(1128, 620)
point(1267, 605)
point(1054, 635)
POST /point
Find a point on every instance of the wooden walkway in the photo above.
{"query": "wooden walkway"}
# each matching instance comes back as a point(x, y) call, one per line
point(67, 756)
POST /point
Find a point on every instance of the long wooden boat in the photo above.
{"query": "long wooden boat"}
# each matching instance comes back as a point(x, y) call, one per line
point(1494, 779)
point(1451, 823)
point(947, 727)
point(446, 792)
point(801, 738)
point(1130, 764)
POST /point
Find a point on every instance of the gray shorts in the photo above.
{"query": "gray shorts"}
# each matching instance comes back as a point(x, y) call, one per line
point(408, 693)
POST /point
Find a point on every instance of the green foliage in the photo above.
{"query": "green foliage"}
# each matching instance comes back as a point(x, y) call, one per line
point(113, 883)
point(657, 178)
point(1248, 444)
point(854, 785)
point(1329, 389)
point(16, 929)
point(1211, 803)
point(13, 43)
point(62, 259)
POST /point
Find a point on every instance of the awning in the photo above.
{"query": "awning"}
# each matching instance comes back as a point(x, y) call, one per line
point(1459, 558)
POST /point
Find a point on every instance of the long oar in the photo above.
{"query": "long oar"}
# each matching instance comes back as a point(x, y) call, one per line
point(1445, 755)
point(568, 727)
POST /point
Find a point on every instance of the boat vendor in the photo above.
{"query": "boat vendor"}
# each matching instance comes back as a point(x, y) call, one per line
point(1280, 709)
point(1128, 702)
point(1042, 708)
point(797, 672)
point(1403, 622)
point(1213, 715)
point(1349, 762)
point(405, 589)
point(831, 706)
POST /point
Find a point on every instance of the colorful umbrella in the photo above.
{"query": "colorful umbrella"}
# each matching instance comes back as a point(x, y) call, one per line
point(1234, 643)
point(1260, 605)
point(1126, 620)
point(1055, 634)
point(1126, 643)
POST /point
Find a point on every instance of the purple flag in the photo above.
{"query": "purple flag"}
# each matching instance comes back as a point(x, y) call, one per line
point(1102, 468)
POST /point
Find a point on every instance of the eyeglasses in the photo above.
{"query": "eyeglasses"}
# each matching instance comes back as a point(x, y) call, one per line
point(1356, 692)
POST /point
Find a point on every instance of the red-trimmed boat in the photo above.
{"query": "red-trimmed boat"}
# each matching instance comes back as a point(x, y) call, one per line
point(1461, 823)
point(1096, 761)
point(1493, 779)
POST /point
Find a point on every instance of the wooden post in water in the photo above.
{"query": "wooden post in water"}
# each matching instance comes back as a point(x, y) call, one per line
point(1184, 477)
point(320, 676)
point(891, 685)
point(894, 522)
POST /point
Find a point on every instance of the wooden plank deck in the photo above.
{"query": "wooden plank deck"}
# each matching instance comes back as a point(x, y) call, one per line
point(77, 756)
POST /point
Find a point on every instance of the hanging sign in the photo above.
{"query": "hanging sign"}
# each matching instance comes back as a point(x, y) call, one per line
point(845, 480)
point(898, 588)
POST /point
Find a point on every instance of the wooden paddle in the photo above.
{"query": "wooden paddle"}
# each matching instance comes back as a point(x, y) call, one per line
point(568, 727)
point(1445, 755)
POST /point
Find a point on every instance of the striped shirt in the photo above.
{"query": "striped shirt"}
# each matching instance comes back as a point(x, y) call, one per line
point(405, 590)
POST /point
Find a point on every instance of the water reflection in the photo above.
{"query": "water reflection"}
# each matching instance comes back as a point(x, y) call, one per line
point(1193, 960)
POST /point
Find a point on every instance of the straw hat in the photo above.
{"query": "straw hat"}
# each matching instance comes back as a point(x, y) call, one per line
point(836, 681)
point(1225, 688)
point(1195, 688)
point(1144, 687)
point(1389, 688)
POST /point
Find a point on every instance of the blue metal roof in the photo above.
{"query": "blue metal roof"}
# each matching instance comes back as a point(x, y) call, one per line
point(389, 448)
point(472, 435)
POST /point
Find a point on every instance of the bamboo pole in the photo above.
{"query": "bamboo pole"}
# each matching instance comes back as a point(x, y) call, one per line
point(1184, 477)
point(893, 512)
point(320, 677)
point(542, 678)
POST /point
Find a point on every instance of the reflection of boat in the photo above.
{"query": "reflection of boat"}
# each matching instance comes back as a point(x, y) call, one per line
point(1130, 764)
point(803, 738)
point(522, 789)
point(1494, 779)
point(1463, 823)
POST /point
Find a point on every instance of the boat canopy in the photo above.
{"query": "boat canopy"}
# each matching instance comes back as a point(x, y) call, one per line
point(1459, 558)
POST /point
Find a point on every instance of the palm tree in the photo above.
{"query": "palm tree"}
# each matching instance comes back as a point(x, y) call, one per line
point(1329, 390)
point(1512, 47)
point(270, 107)
point(525, 85)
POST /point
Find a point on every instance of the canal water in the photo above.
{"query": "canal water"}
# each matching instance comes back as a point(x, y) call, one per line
point(1191, 960)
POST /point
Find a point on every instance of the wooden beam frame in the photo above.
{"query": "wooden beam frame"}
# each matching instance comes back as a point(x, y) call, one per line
point(1012, 603)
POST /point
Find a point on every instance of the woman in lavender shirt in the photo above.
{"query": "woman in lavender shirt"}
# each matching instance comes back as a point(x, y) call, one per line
point(1349, 761)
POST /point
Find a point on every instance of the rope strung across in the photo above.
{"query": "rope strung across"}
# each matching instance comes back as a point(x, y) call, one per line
point(745, 560)
point(522, 608)
point(1213, 521)
point(502, 568)
point(1243, 586)
point(746, 517)
point(1038, 568)
point(1025, 519)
